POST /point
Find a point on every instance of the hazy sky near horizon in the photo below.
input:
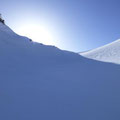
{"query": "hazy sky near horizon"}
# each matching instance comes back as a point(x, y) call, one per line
point(76, 25)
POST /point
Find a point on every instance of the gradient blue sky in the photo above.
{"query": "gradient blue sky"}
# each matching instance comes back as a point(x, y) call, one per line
point(77, 25)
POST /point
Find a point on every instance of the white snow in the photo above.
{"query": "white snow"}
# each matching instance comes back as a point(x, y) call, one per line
point(107, 53)
point(39, 82)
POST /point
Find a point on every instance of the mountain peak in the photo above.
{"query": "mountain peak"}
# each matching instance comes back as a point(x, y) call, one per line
point(1, 19)
point(106, 53)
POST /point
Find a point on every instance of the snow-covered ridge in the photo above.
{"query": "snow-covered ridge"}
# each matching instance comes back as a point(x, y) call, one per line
point(107, 53)
point(39, 82)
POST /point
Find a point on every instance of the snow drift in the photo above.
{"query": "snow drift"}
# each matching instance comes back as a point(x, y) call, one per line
point(39, 82)
point(107, 53)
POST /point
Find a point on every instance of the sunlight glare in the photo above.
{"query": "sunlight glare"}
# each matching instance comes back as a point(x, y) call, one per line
point(37, 33)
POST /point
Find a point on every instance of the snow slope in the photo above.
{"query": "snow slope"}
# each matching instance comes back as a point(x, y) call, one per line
point(107, 53)
point(39, 82)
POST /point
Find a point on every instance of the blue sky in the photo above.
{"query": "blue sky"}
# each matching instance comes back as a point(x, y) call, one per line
point(76, 25)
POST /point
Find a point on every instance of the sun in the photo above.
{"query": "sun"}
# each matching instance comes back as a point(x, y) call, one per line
point(37, 33)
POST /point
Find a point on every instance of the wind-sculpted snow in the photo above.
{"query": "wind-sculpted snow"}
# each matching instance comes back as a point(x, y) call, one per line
point(39, 82)
point(107, 53)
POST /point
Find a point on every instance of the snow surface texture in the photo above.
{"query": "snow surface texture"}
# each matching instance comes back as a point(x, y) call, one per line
point(39, 82)
point(107, 53)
